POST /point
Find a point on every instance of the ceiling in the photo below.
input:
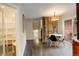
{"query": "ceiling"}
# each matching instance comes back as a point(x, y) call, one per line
point(33, 10)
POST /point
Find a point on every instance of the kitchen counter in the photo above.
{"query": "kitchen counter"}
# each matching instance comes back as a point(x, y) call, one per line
point(76, 40)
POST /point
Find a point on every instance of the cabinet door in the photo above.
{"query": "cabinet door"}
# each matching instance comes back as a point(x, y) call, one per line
point(7, 31)
point(75, 48)
point(10, 30)
point(1, 35)
point(77, 11)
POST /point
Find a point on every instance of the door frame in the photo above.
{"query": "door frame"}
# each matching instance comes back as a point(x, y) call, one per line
point(68, 18)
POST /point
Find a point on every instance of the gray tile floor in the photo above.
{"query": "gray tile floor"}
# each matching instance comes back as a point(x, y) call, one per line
point(40, 50)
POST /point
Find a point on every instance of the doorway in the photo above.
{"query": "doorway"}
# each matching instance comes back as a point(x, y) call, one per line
point(68, 29)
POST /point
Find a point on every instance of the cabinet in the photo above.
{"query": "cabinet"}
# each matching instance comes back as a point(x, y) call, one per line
point(7, 31)
point(75, 48)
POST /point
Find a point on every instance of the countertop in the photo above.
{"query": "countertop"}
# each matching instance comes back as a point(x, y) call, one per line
point(76, 40)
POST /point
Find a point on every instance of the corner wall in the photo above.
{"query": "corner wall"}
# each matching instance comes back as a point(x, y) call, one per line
point(21, 36)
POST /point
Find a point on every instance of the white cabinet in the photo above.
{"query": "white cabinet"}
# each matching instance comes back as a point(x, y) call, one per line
point(7, 30)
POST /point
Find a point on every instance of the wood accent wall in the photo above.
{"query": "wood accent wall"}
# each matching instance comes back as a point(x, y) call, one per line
point(45, 27)
point(48, 27)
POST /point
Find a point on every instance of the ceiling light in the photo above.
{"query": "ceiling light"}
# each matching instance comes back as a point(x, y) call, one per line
point(54, 18)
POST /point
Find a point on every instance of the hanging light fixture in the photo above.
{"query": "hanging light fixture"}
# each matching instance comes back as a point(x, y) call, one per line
point(54, 18)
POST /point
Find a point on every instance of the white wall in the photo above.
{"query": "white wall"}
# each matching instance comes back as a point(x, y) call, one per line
point(60, 26)
point(29, 29)
point(21, 42)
